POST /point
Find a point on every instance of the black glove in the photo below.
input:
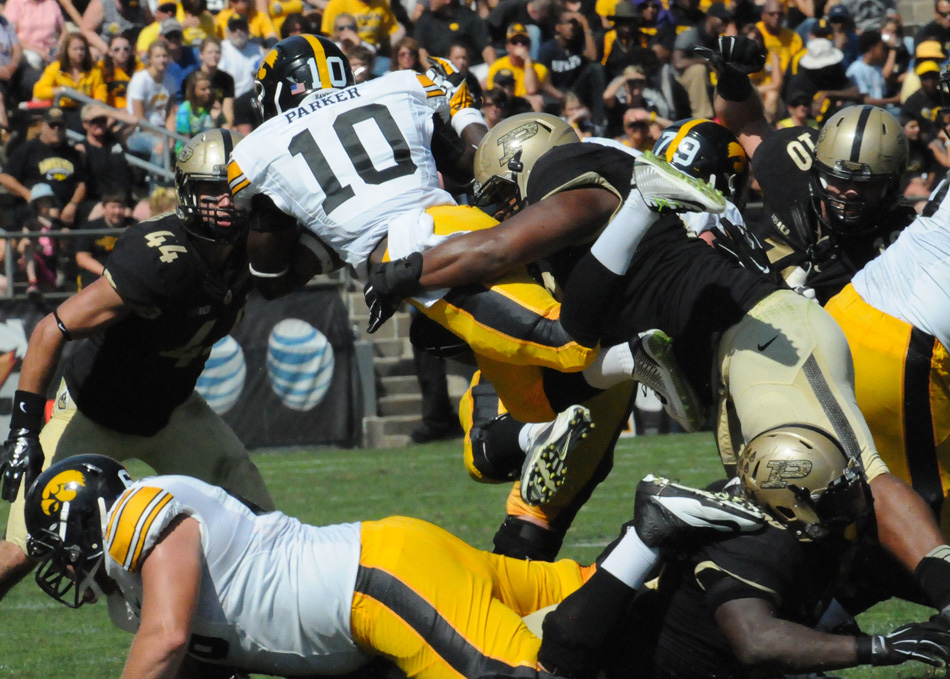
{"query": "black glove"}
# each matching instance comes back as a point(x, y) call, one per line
point(739, 53)
point(926, 642)
point(389, 283)
point(741, 245)
point(21, 459)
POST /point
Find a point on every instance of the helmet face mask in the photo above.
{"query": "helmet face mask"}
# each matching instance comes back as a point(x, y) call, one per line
point(295, 68)
point(64, 512)
point(804, 479)
point(204, 198)
point(860, 157)
point(708, 151)
point(507, 155)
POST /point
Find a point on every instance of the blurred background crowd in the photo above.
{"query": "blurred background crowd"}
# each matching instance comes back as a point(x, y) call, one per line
point(622, 69)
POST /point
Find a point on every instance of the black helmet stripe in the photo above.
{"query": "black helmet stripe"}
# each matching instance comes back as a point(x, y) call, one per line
point(859, 133)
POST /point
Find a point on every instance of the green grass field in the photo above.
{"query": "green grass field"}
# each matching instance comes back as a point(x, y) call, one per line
point(41, 639)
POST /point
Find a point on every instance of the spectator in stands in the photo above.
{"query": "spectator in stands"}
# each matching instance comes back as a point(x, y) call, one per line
point(821, 75)
point(844, 36)
point(240, 58)
point(104, 163)
point(578, 115)
point(362, 60)
point(197, 21)
point(494, 103)
point(152, 32)
point(406, 56)
point(75, 69)
point(781, 44)
point(922, 105)
point(38, 256)
point(692, 71)
point(93, 251)
point(870, 72)
point(295, 24)
point(869, 14)
point(181, 60)
point(49, 159)
point(151, 97)
point(571, 59)
point(447, 22)
point(505, 82)
point(222, 84)
point(11, 56)
point(928, 50)
point(345, 33)
point(939, 28)
point(657, 31)
point(260, 27)
point(115, 17)
point(118, 66)
point(892, 33)
point(38, 24)
point(622, 44)
point(799, 112)
point(529, 76)
point(922, 164)
point(461, 57)
point(636, 132)
point(537, 17)
point(376, 23)
point(629, 92)
point(198, 113)
point(162, 199)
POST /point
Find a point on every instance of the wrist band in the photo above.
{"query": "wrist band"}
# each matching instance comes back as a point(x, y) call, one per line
point(28, 410)
point(263, 274)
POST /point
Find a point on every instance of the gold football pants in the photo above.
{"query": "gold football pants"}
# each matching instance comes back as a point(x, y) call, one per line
point(441, 609)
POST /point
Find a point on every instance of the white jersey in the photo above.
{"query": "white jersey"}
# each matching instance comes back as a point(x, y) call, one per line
point(910, 280)
point(275, 594)
point(349, 164)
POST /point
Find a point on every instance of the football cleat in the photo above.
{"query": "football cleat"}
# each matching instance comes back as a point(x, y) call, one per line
point(668, 515)
point(664, 187)
point(654, 366)
point(545, 465)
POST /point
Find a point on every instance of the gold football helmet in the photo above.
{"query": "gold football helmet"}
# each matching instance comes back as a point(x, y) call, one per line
point(508, 153)
point(201, 171)
point(807, 482)
point(862, 150)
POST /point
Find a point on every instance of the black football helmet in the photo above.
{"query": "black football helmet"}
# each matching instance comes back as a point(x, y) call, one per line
point(295, 68)
point(863, 148)
point(707, 151)
point(64, 511)
point(201, 169)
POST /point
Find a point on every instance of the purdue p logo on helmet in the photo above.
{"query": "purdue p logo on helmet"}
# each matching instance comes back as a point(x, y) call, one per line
point(295, 68)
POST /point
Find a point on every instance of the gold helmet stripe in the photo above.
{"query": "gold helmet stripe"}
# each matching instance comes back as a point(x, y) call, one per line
point(683, 131)
point(321, 58)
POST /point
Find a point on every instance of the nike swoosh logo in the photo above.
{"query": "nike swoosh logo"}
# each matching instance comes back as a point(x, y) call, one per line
point(763, 347)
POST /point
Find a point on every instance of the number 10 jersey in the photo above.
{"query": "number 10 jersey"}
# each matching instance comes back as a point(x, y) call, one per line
point(347, 163)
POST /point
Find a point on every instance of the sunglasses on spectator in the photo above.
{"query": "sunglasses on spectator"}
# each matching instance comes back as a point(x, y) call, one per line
point(520, 41)
point(121, 48)
point(943, 14)
point(345, 27)
point(55, 125)
point(99, 120)
point(648, 5)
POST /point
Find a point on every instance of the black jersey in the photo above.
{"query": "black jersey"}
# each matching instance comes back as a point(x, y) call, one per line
point(798, 579)
point(133, 374)
point(675, 282)
point(790, 227)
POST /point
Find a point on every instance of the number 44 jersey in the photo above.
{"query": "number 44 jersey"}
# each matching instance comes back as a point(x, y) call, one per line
point(348, 164)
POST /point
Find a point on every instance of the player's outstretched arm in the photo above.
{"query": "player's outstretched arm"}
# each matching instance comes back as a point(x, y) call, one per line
point(171, 578)
point(91, 310)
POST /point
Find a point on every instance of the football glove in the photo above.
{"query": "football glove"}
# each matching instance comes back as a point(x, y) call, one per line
point(389, 283)
point(926, 642)
point(738, 243)
point(21, 460)
point(739, 53)
point(443, 73)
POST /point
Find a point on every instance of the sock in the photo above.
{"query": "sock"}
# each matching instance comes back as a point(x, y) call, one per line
point(616, 244)
point(612, 366)
point(528, 432)
point(631, 561)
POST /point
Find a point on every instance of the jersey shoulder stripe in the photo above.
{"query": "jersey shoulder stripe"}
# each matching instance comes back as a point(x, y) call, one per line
point(237, 180)
point(132, 517)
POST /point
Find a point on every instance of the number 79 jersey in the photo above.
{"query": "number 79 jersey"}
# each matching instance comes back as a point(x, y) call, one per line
point(347, 163)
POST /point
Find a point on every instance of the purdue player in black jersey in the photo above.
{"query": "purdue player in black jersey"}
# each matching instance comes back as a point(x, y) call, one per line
point(173, 286)
point(776, 356)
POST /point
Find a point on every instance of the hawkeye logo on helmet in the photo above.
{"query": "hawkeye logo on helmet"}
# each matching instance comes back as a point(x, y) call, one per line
point(512, 142)
point(783, 471)
point(61, 489)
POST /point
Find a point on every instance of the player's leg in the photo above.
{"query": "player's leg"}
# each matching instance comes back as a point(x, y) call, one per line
point(197, 442)
point(433, 604)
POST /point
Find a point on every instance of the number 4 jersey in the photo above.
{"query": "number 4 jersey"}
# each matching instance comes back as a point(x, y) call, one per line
point(349, 163)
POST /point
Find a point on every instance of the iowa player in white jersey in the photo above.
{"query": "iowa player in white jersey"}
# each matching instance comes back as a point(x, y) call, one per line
point(173, 286)
point(194, 572)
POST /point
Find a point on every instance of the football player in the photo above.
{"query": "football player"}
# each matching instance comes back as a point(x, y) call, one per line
point(776, 357)
point(746, 605)
point(173, 286)
point(192, 570)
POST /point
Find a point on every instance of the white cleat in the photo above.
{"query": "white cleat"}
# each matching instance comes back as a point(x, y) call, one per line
point(664, 187)
point(545, 465)
point(654, 365)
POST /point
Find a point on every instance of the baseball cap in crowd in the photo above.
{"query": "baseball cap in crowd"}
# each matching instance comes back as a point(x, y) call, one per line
point(168, 8)
point(41, 191)
point(839, 13)
point(930, 49)
point(821, 29)
point(504, 77)
point(821, 53)
point(169, 26)
point(238, 23)
point(799, 98)
point(516, 30)
point(625, 11)
point(55, 116)
point(720, 11)
point(927, 66)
